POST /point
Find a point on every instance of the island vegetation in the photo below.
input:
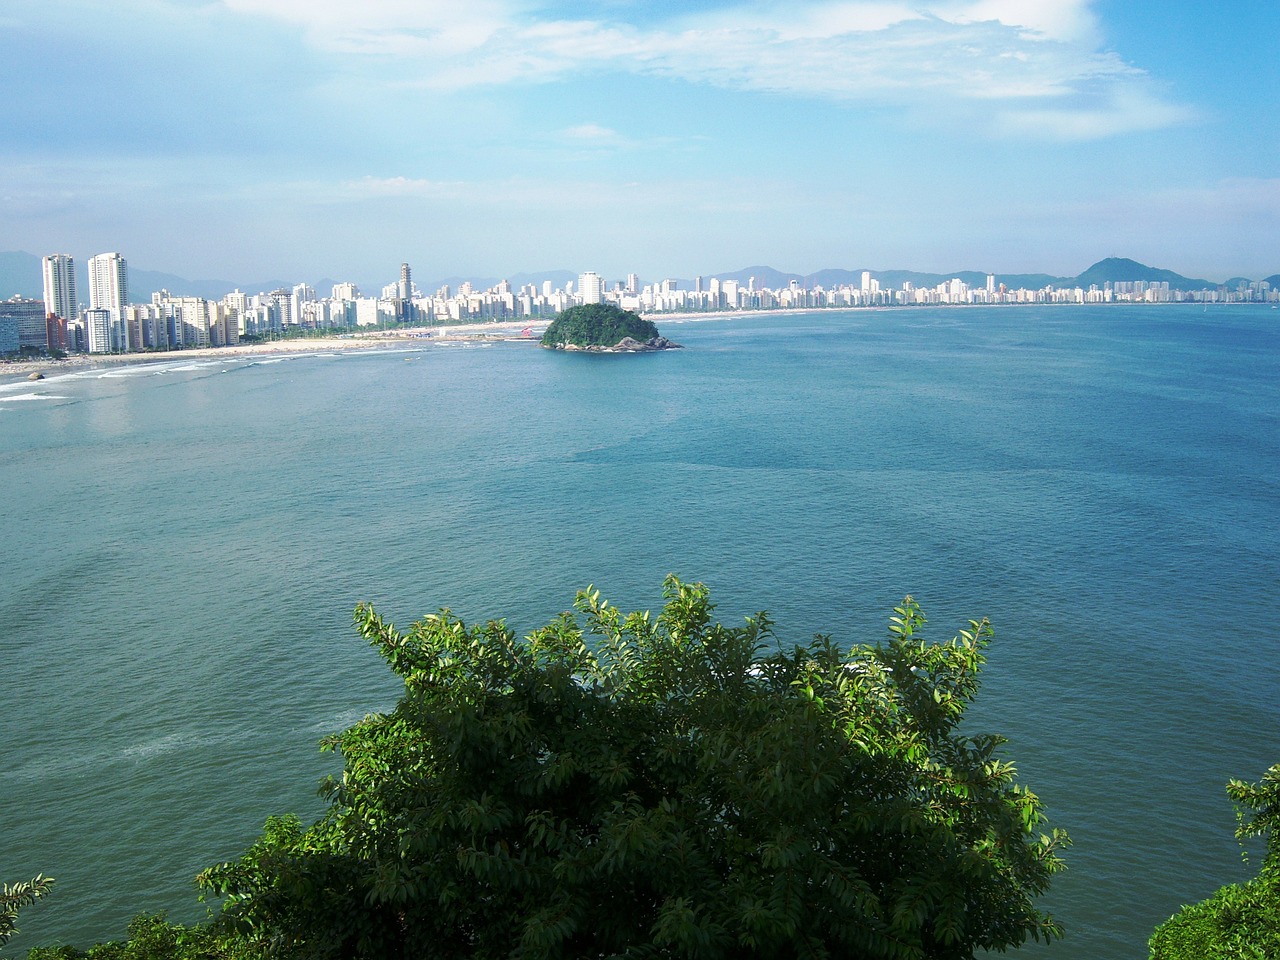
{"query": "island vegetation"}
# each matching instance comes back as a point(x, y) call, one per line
point(602, 326)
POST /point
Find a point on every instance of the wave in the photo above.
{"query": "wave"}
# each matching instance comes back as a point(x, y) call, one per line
point(33, 396)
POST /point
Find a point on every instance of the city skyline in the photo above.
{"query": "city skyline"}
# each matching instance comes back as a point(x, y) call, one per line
point(114, 324)
point(272, 138)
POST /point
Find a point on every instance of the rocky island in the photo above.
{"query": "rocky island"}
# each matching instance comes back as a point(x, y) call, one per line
point(603, 328)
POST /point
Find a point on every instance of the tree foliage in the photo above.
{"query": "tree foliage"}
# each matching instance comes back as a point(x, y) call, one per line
point(638, 786)
point(1240, 920)
point(1258, 814)
point(152, 937)
point(597, 325)
point(14, 898)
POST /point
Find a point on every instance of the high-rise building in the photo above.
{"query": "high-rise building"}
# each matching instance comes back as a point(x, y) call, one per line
point(730, 289)
point(55, 333)
point(404, 295)
point(108, 288)
point(282, 307)
point(301, 295)
point(590, 287)
point(9, 342)
point(29, 316)
point(97, 323)
point(60, 286)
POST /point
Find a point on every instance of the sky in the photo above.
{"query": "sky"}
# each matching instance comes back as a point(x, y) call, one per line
point(245, 139)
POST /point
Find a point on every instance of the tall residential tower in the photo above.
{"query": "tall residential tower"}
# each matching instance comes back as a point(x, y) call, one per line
point(109, 291)
point(60, 286)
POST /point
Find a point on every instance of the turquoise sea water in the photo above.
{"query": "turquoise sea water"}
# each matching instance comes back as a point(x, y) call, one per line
point(184, 543)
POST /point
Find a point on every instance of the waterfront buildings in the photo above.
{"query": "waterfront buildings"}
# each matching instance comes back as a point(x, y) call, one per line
point(109, 291)
point(25, 319)
point(590, 288)
point(60, 286)
point(171, 322)
point(9, 342)
point(98, 331)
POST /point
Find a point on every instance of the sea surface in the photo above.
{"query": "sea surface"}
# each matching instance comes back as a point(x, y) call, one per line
point(184, 542)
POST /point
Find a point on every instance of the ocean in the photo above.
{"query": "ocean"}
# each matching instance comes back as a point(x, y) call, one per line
point(185, 540)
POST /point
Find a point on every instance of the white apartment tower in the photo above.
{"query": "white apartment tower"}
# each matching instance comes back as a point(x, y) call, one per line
point(590, 288)
point(60, 286)
point(97, 328)
point(109, 284)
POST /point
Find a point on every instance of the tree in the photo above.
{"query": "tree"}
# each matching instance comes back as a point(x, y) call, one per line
point(657, 786)
point(1240, 920)
point(597, 325)
point(14, 898)
point(152, 937)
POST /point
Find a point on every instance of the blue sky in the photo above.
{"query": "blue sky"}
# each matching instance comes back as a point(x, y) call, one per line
point(307, 138)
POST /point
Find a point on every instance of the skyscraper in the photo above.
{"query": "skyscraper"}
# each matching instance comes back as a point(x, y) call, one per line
point(404, 298)
point(28, 318)
point(60, 286)
point(97, 325)
point(109, 285)
point(590, 287)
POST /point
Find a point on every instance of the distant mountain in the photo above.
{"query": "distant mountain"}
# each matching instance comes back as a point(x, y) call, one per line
point(143, 283)
point(765, 277)
point(20, 276)
point(1029, 281)
point(1120, 270)
point(894, 279)
point(558, 279)
point(1274, 280)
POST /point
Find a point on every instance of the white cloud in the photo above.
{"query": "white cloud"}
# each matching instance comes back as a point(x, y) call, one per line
point(402, 28)
point(593, 133)
point(1119, 111)
point(376, 187)
point(1068, 21)
point(1045, 60)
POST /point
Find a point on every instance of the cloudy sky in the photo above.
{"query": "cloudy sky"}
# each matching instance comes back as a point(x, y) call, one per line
point(309, 138)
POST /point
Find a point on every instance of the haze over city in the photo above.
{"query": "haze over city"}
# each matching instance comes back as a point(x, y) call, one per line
point(276, 138)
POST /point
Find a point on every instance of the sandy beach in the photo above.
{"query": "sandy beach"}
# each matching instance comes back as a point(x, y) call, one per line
point(11, 370)
point(370, 340)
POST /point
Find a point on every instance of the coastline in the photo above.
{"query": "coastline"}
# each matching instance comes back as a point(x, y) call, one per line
point(17, 370)
point(507, 330)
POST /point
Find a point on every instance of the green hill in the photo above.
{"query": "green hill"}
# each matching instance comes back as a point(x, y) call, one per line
point(1123, 270)
point(597, 325)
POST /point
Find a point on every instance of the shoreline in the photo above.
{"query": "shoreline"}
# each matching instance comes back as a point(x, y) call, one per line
point(17, 370)
point(498, 330)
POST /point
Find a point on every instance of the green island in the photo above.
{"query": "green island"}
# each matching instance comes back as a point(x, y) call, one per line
point(603, 327)
point(637, 786)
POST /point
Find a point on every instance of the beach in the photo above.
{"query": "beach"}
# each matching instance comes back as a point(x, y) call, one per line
point(11, 370)
point(371, 340)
